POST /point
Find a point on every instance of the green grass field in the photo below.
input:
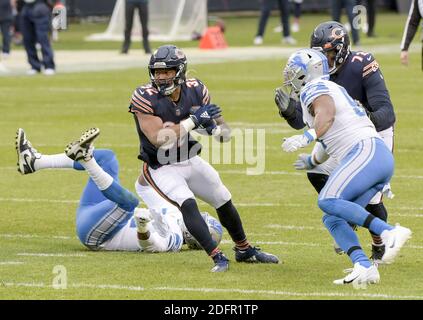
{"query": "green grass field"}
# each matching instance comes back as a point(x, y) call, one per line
point(279, 210)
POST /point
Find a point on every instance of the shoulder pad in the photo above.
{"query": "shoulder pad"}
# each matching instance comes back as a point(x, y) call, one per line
point(200, 88)
point(143, 99)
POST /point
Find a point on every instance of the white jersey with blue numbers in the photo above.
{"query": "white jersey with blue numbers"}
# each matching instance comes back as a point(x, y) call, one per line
point(351, 123)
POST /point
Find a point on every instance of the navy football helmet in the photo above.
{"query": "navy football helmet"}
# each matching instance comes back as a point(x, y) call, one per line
point(332, 35)
point(168, 57)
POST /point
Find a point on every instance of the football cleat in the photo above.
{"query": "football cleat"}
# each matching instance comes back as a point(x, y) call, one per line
point(82, 149)
point(394, 240)
point(360, 276)
point(377, 253)
point(26, 153)
point(221, 263)
point(254, 255)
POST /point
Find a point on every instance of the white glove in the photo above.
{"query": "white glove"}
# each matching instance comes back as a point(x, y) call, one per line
point(304, 162)
point(296, 142)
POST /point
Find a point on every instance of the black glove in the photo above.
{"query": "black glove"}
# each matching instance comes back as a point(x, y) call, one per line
point(203, 116)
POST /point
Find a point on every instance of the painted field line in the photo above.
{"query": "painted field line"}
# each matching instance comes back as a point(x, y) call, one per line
point(12, 263)
point(37, 200)
point(284, 243)
point(288, 293)
point(217, 290)
point(289, 227)
point(28, 254)
point(30, 236)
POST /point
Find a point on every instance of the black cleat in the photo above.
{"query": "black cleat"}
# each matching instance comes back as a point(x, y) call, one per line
point(377, 253)
point(254, 255)
point(221, 263)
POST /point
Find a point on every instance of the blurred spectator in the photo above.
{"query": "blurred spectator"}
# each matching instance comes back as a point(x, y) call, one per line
point(35, 25)
point(414, 16)
point(266, 7)
point(371, 15)
point(17, 34)
point(6, 19)
point(297, 14)
point(337, 6)
point(142, 6)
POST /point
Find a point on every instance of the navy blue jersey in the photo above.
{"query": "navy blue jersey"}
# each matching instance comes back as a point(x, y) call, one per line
point(146, 99)
point(361, 77)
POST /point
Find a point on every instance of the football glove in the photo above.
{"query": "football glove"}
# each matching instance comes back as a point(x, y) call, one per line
point(304, 162)
point(204, 115)
point(296, 142)
point(281, 100)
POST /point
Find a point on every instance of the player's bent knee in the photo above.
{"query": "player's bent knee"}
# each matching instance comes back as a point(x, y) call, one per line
point(327, 205)
point(104, 156)
point(330, 221)
point(222, 196)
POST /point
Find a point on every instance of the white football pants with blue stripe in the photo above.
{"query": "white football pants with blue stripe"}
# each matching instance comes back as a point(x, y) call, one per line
point(363, 172)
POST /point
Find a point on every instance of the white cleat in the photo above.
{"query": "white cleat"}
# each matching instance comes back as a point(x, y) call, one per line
point(360, 276)
point(394, 240)
point(27, 154)
point(258, 41)
point(82, 149)
point(289, 40)
point(49, 72)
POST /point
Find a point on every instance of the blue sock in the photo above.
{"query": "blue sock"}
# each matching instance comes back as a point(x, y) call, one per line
point(346, 238)
point(124, 198)
point(377, 226)
point(359, 256)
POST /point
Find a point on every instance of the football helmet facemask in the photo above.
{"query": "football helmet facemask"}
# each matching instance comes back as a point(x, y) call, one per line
point(168, 57)
point(332, 36)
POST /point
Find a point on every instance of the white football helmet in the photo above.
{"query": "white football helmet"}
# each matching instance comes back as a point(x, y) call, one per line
point(303, 66)
point(215, 229)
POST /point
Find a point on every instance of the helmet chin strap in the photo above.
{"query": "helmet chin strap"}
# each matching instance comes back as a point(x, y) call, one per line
point(167, 90)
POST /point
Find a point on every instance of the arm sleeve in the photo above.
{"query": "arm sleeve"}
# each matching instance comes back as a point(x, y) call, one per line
point(411, 25)
point(141, 104)
point(381, 110)
point(294, 115)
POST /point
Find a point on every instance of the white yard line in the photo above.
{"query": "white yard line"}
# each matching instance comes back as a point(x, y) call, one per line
point(61, 255)
point(30, 236)
point(214, 290)
point(12, 263)
point(37, 200)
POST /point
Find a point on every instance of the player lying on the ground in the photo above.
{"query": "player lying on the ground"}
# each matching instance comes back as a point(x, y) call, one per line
point(365, 164)
point(108, 217)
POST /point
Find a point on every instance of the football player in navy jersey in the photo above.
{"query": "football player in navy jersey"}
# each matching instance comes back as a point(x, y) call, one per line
point(165, 111)
point(359, 73)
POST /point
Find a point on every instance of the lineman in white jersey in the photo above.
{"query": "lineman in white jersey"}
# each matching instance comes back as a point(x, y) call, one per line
point(365, 164)
point(108, 217)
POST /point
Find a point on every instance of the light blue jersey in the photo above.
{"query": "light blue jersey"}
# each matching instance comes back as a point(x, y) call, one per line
point(351, 124)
